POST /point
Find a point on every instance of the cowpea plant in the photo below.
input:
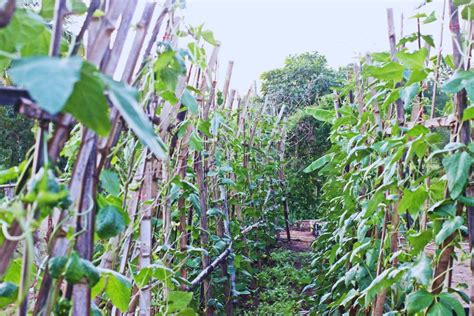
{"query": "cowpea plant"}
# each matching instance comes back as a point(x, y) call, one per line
point(398, 195)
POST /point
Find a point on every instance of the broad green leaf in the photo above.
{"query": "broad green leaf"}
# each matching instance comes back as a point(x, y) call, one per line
point(190, 102)
point(47, 9)
point(13, 273)
point(439, 309)
point(416, 75)
point(418, 301)
point(87, 102)
point(461, 2)
point(430, 18)
point(391, 71)
point(461, 80)
point(110, 181)
point(119, 289)
point(208, 36)
point(419, 240)
point(428, 40)
point(195, 142)
point(468, 114)
point(422, 270)
point(23, 29)
point(409, 93)
point(449, 301)
point(467, 12)
point(457, 168)
point(124, 98)
point(412, 201)
point(8, 293)
point(320, 114)
point(318, 163)
point(74, 268)
point(109, 222)
point(178, 300)
point(449, 227)
point(49, 80)
point(415, 60)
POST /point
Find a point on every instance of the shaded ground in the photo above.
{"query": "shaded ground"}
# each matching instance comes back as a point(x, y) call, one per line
point(281, 280)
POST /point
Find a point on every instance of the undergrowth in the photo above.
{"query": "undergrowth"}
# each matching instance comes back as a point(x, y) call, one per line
point(280, 285)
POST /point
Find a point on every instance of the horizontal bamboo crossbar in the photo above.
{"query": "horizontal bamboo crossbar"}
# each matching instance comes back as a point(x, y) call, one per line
point(223, 256)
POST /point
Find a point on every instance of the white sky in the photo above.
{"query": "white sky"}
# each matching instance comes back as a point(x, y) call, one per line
point(259, 34)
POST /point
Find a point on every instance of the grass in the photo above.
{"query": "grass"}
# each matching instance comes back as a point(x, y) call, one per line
point(280, 284)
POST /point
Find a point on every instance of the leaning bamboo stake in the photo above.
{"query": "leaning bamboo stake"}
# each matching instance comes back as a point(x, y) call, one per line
point(281, 175)
point(146, 234)
point(201, 168)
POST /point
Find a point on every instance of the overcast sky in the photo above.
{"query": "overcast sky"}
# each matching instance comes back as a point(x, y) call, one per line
point(259, 34)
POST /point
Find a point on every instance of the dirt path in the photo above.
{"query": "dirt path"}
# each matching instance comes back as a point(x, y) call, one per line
point(300, 240)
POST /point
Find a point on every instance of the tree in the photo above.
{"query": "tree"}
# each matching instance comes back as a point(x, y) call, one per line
point(16, 136)
point(302, 82)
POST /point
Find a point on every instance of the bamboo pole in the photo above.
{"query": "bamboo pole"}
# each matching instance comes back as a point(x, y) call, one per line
point(228, 76)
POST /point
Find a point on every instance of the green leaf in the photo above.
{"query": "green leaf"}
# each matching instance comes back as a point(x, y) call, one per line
point(23, 29)
point(415, 60)
point(416, 75)
point(56, 266)
point(467, 12)
point(428, 40)
point(449, 227)
point(88, 104)
point(13, 273)
point(461, 80)
point(430, 18)
point(49, 80)
point(74, 268)
point(8, 293)
point(190, 102)
point(439, 309)
point(178, 300)
point(318, 163)
point(412, 201)
point(124, 98)
point(119, 289)
point(109, 222)
point(391, 71)
point(457, 168)
point(409, 93)
point(418, 301)
point(47, 9)
point(110, 181)
point(422, 270)
point(320, 114)
point(419, 240)
point(447, 300)
point(208, 36)
point(468, 114)
point(195, 142)
point(461, 2)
